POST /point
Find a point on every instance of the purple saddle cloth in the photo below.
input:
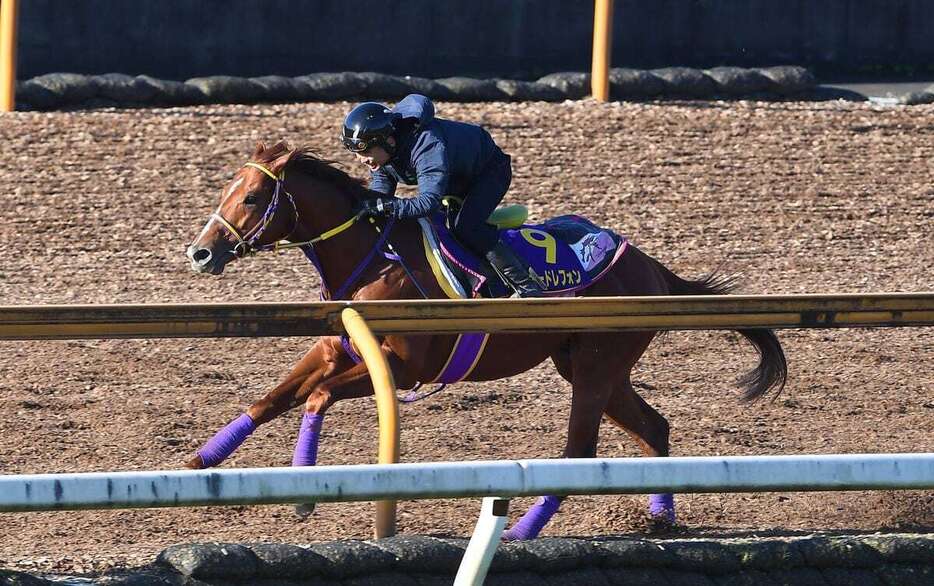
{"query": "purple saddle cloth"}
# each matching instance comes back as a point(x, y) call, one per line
point(568, 253)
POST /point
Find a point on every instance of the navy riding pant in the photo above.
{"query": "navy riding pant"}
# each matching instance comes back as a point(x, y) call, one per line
point(482, 197)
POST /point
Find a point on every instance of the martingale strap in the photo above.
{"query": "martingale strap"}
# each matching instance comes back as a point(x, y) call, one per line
point(366, 261)
point(247, 242)
point(468, 348)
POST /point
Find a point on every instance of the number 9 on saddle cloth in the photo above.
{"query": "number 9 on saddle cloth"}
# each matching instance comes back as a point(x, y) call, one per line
point(567, 253)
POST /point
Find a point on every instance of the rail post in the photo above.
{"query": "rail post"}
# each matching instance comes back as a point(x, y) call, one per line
point(387, 408)
point(8, 12)
point(602, 43)
point(483, 543)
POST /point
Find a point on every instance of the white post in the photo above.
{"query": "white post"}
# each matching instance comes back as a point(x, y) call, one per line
point(483, 542)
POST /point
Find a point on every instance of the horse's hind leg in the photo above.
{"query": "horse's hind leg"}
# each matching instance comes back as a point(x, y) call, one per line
point(644, 424)
point(592, 364)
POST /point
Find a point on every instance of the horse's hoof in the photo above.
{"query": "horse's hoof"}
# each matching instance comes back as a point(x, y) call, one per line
point(512, 534)
point(195, 463)
point(304, 510)
point(508, 537)
point(662, 524)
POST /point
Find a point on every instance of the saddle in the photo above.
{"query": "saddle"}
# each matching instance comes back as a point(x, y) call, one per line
point(568, 253)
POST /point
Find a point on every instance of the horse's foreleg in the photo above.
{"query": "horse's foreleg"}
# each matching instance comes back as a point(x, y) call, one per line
point(306, 446)
point(288, 394)
point(321, 395)
point(228, 439)
point(224, 442)
point(352, 383)
point(650, 430)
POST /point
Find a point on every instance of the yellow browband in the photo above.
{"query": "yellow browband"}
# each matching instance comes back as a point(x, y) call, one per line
point(281, 244)
point(266, 171)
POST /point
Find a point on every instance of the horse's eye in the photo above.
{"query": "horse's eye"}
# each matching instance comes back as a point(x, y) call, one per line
point(250, 199)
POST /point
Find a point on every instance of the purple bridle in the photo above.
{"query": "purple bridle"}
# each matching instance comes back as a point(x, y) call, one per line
point(246, 243)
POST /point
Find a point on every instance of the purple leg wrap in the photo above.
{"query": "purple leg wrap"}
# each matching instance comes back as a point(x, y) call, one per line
point(663, 506)
point(306, 448)
point(531, 523)
point(226, 441)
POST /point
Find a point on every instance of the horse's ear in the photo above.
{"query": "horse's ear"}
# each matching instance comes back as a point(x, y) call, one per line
point(260, 148)
point(279, 162)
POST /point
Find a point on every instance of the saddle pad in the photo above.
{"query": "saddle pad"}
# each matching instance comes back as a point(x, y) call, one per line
point(568, 252)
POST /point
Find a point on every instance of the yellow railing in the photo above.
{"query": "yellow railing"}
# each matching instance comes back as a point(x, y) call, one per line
point(228, 320)
point(602, 46)
point(8, 11)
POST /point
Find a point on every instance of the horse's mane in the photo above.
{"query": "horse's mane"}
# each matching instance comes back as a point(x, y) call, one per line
point(281, 157)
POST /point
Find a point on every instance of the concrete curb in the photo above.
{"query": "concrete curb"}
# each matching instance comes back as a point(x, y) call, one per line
point(902, 559)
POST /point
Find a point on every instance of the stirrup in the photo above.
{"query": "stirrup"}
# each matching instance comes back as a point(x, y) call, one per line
point(528, 293)
point(525, 292)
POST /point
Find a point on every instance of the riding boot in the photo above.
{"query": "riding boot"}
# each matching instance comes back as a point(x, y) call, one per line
point(520, 275)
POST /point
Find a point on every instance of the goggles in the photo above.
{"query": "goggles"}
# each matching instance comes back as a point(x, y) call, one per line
point(356, 145)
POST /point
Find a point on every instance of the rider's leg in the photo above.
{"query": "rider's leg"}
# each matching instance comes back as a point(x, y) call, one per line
point(471, 227)
point(516, 271)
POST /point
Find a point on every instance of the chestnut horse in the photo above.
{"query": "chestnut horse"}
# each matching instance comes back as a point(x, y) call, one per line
point(290, 195)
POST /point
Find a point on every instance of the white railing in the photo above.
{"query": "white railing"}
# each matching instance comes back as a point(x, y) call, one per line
point(427, 480)
point(103, 490)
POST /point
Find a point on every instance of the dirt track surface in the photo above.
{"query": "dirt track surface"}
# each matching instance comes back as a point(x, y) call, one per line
point(798, 197)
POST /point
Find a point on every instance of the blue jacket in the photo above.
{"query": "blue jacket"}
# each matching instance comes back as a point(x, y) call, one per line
point(442, 157)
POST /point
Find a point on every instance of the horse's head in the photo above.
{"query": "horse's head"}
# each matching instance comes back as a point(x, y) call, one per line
point(257, 212)
point(254, 211)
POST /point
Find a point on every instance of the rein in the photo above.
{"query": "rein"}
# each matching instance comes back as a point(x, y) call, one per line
point(246, 245)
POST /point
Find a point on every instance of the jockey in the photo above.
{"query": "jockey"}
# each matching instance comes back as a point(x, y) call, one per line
point(443, 157)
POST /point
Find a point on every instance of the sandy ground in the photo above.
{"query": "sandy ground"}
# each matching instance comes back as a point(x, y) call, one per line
point(797, 197)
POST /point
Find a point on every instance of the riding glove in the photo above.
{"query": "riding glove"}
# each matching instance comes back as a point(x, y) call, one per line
point(379, 207)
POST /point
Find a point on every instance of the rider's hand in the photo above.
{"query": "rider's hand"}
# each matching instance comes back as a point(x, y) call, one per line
point(378, 208)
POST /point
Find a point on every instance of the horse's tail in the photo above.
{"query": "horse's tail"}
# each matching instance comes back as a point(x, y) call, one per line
point(772, 370)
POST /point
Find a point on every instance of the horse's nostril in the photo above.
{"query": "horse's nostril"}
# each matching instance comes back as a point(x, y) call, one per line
point(202, 255)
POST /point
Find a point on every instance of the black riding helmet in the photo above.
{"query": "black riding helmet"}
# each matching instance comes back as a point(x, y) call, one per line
point(369, 124)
